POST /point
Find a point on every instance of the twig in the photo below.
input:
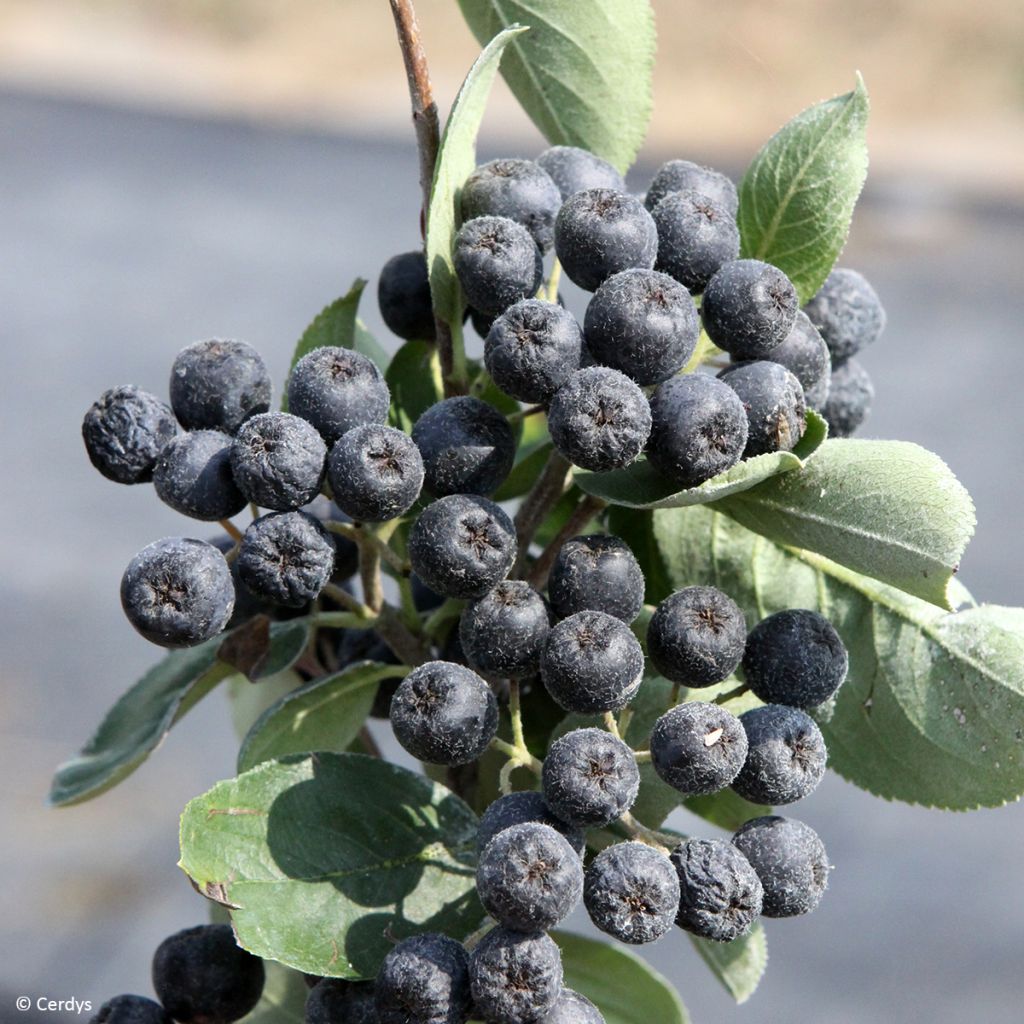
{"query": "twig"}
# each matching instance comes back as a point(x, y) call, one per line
point(412, 650)
point(369, 743)
point(538, 504)
point(360, 534)
point(341, 596)
point(231, 530)
point(424, 109)
point(581, 515)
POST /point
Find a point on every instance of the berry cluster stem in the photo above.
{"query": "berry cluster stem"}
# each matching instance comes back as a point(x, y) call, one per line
point(659, 840)
point(347, 601)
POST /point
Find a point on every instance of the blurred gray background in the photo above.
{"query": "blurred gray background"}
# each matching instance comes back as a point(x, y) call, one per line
point(127, 233)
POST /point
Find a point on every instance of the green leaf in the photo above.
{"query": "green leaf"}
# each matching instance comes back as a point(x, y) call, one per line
point(932, 708)
point(738, 965)
point(797, 197)
point(887, 509)
point(725, 808)
point(325, 859)
point(414, 378)
point(260, 648)
point(283, 1000)
point(337, 325)
point(641, 486)
point(531, 457)
point(583, 74)
point(136, 724)
point(248, 701)
point(638, 533)
point(456, 160)
point(625, 988)
point(325, 714)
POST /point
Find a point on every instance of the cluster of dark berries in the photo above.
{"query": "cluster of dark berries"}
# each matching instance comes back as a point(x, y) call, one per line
point(644, 261)
point(579, 646)
point(200, 976)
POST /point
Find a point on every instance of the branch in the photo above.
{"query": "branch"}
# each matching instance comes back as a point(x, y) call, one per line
point(581, 515)
point(424, 109)
point(428, 142)
point(538, 504)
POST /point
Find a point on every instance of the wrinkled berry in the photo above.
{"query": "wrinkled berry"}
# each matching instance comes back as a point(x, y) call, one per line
point(444, 713)
point(790, 861)
point(748, 308)
point(696, 236)
point(698, 429)
point(599, 419)
point(775, 405)
point(599, 232)
point(643, 323)
point(518, 189)
point(532, 348)
point(277, 461)
point(516, 978)
point(193, 475)
point(720, 894)
point(519, 809)
point(337, 389)
point(125, 430)
point(375, 473)
point(596, 573)
point(632, 892)
point(497, 263)
point(682, 175)
point(403, 296)
point(178, 592)
point(424, 980)
point(202, 976)
point(529, 878)
point(218, 385)
point(590, 778)
point(573, 169)
point(502, 633)
point(849, 398)
point(592, 662)
point(696, 636)
point(286, 557)
point(462, 545)
point(698, 747)
point(847, 312)
point(467, 445)
point(795, 657)
point(785, 755)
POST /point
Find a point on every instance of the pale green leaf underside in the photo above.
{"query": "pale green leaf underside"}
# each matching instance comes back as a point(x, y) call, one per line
point(739, 965)
point(641, 486)
point(140, 719)
point(325, 858)
point(932, 709)
point(887, 509)
point(622, 985)
point(338, 325)
point(456, 160)
point(325, 714)
point(583, 73)
point(137, 723)
point(797, 196)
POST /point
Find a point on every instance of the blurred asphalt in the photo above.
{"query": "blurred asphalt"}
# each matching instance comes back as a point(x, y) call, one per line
point(123, 237)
